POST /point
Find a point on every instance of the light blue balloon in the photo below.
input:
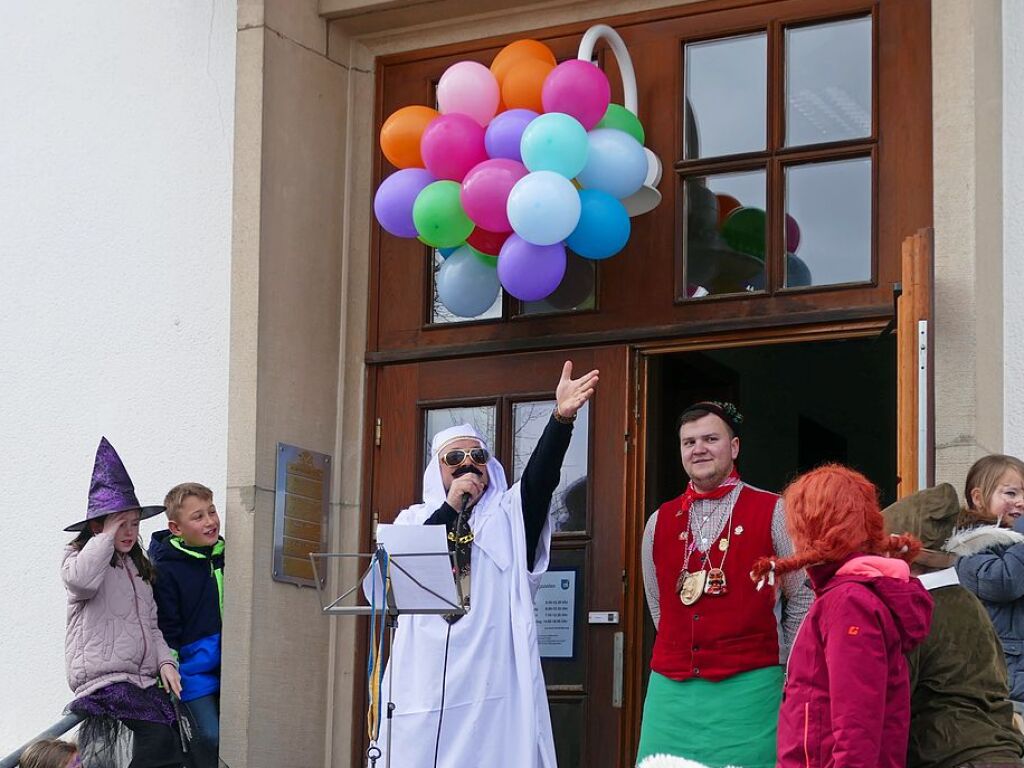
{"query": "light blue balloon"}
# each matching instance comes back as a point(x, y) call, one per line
point(555, 142)
point(466, 284)
point(616, 163)
point(446, 252)
point(604, 226)
point(543, 208)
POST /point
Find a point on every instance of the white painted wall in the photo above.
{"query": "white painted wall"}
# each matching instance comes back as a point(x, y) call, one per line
point(116, 133)
point(1013, 226)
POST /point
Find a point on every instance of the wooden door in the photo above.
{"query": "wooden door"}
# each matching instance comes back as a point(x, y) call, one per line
point(915, 329)
point(509, 398)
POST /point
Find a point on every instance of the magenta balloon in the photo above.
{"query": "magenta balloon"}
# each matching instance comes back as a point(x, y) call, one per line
point(451, 145)
point(792, 234)
point(485, 192)
point(577, 88)
point(505, 132)
point(530, 272)
point(395, 197)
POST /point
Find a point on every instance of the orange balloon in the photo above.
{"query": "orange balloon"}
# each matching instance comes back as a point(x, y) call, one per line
point(400, 135)
point(513, 53)
point(524, 83)
point(726, 205)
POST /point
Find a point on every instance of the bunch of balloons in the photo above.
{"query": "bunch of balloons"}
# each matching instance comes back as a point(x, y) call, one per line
point(743, 228)
point(519, 162)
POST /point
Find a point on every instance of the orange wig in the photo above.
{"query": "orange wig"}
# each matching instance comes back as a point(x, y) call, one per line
point(832, 512)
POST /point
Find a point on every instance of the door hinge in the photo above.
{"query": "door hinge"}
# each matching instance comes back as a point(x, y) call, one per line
point(376, 522)
point(376, 434)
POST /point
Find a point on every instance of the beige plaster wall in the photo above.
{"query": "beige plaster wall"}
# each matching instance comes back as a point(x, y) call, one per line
point(285, 370)
point(304, 148)
point(967, 123)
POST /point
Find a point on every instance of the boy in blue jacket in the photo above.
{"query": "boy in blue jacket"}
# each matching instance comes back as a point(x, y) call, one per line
point(189, 591)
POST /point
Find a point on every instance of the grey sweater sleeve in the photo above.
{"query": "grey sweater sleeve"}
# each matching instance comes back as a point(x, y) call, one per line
point(796, 597)
point(650, 578)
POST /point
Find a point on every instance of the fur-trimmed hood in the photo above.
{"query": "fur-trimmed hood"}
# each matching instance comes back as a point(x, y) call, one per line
point(971, 541)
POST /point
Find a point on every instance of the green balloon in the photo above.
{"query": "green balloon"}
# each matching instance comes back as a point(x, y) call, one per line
point(438, 216)
point(617, 116)
point(744, 229)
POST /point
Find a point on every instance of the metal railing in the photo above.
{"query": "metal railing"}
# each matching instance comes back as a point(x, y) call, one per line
point(56, 730)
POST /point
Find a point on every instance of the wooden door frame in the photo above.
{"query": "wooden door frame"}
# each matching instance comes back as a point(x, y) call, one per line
point(634, 600)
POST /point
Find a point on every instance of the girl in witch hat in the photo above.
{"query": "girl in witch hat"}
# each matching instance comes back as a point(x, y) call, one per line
point(115, 652)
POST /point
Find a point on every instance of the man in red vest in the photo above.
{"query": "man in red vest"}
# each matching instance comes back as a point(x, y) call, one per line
point(716, 670)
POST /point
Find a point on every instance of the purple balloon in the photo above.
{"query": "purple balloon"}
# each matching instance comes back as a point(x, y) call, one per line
point(395, 197)
point(792, 234)
point(506, 131)
point(530, 272)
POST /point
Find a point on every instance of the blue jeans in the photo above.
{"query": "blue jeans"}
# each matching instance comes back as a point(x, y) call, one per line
point(206, 714)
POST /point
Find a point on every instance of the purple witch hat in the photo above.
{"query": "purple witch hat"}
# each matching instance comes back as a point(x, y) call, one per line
point(111, 489)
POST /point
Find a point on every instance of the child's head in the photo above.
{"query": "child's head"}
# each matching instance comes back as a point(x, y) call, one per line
point(994, 490)
point(125, 526)
point(191, 514)
point(832, 512)
point(49, 753)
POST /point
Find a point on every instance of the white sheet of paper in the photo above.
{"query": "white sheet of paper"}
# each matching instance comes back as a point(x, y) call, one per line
point(433, 572)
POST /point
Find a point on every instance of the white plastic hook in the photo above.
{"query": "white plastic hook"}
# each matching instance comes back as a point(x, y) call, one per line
point(618, 47)
point(647, 197)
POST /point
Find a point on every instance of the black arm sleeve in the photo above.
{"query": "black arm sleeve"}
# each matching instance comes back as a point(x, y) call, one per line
point(443, 515)
point(540, 478)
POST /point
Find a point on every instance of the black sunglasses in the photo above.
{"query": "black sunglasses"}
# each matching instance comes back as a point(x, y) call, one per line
point(456, 456)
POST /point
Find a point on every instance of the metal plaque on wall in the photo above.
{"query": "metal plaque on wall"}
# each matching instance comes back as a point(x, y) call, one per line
point(301, 504)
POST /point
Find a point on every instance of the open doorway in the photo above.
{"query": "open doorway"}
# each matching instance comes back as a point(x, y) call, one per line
point(804, 404)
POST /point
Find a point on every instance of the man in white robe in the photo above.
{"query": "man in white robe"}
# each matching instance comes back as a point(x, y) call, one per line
point(495, 710)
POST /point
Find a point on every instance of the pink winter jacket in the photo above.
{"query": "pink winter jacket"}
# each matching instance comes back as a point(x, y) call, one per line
point(112, 633)
point(846, 703)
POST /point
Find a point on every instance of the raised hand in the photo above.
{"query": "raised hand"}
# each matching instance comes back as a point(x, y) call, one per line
point(113, 521)
point(572, 393)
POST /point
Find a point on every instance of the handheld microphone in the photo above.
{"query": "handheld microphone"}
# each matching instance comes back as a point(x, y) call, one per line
point(465, 502)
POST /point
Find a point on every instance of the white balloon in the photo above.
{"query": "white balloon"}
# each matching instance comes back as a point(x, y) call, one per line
point(543, 208)
point(616, 163)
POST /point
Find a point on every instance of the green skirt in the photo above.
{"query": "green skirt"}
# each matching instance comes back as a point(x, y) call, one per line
point(731, 722)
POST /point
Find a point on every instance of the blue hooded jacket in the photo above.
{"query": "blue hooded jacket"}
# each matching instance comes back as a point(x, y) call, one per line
point(189, 592)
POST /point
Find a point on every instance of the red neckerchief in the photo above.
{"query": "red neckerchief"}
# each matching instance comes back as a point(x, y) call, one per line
point(724, 489)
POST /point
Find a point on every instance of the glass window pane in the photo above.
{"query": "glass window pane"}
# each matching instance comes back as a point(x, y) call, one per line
point(569, 502)
point(828, 223)
point(439, 313)
point(482, 417)
point(576, 291)
point(725, 233)
point(828, 82)
point(726, 96)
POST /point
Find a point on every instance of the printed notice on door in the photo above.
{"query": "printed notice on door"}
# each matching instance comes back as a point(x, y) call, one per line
point(554, 609)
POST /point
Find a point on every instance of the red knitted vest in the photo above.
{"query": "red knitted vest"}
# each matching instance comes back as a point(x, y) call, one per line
point(719, 635)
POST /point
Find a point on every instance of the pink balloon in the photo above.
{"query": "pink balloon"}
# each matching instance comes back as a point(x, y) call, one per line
point(577, 88)
point(485, 191)
point(468, 88)
point(451, 145)
point(792, 234)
